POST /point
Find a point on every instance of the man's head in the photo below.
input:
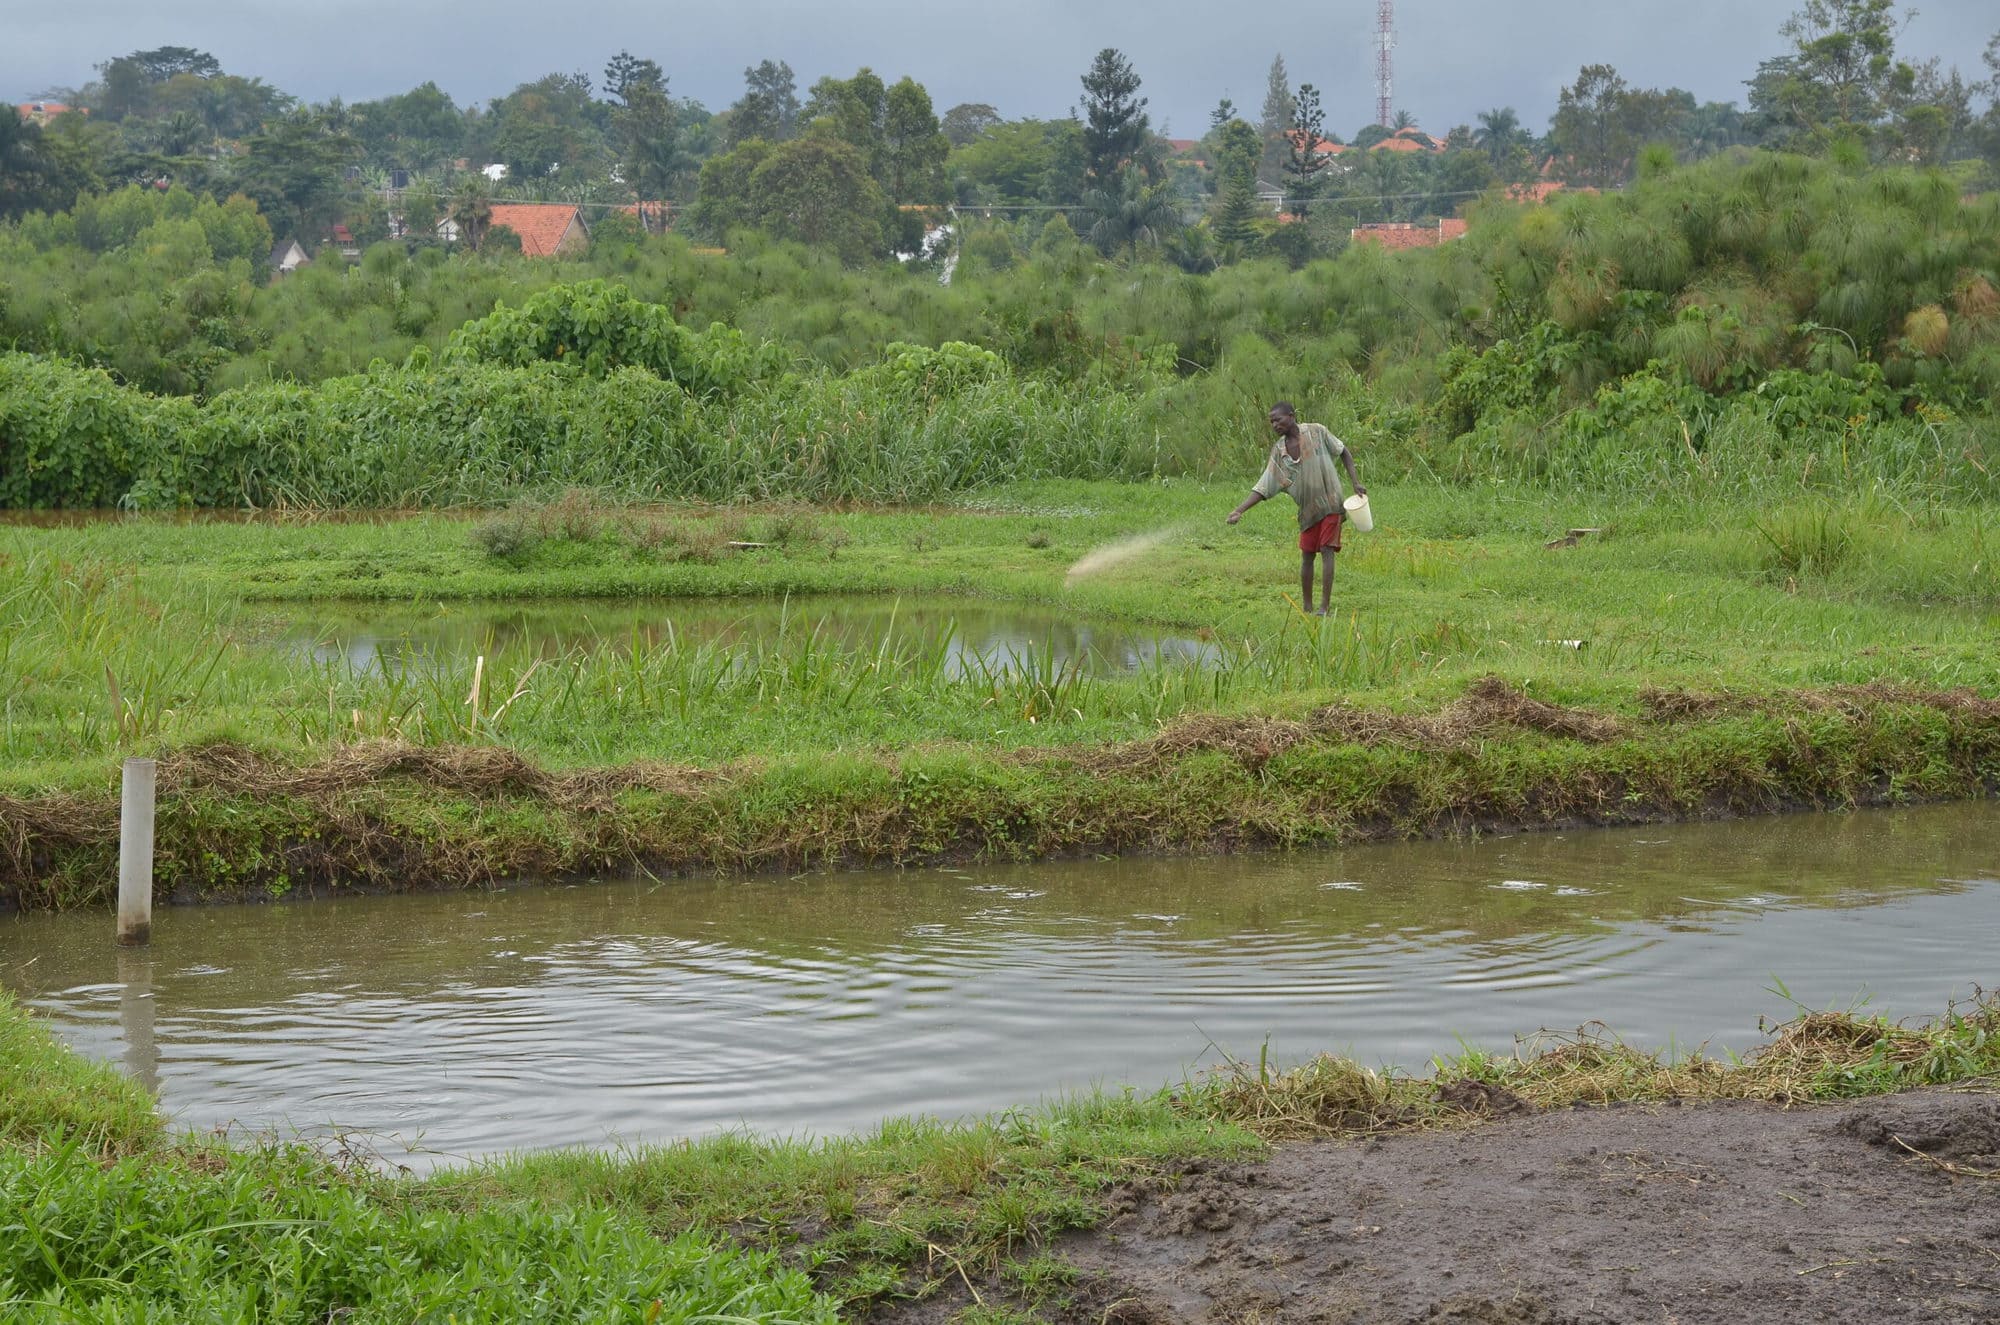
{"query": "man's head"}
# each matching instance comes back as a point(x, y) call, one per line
point(1284, 420)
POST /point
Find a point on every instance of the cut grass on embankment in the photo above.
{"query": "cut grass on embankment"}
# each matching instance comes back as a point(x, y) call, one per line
point(1696, 659)
point(120, 1221)
point(392, 816)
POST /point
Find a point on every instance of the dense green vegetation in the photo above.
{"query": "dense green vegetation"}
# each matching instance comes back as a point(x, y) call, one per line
point(1764, 321)
point(143, 216)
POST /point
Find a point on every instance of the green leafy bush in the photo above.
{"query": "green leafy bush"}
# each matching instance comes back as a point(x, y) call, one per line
point(474, 433)
point(71, 436)
point(1800, 403)
point(916, 371)
point(600, 328)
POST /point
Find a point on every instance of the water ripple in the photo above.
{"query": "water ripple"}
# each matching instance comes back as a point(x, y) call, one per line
point(574, 1015)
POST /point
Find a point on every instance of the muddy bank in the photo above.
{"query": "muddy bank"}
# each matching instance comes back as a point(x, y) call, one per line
point(237, 824)
point(1730, 1212)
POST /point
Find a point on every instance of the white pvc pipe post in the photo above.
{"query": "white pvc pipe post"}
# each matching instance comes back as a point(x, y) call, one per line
point(135, 853)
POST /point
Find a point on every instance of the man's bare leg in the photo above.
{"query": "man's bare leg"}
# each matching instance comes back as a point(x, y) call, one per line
point(1326, 581)
point(1306, 582)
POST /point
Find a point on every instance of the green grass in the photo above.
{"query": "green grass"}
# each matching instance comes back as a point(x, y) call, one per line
point(390, 817)
point(950, 1200)
point(1456, 586)
point(50, 1098)
point(277, 1236)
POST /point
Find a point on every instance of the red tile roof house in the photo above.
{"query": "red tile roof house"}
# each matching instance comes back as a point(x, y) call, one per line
point(1325, 148)
point(1408, 140)
point(1406, 235)
point(547, 229)
point(41, 112)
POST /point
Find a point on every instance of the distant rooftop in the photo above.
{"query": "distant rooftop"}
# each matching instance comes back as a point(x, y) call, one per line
point(1404, 234)
point(41, 112)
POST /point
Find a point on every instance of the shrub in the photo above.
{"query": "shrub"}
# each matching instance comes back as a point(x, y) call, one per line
point(507, 536)
point(600, 328)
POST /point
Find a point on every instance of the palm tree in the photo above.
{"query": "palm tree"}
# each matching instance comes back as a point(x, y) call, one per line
point(1404, 120)
point(1498, 131)
point(1132, 216)
point(182, 133)
point(471, 209)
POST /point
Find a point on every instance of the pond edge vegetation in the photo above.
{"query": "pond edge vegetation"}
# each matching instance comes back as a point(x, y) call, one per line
point(237, 823)
point(116, 1210)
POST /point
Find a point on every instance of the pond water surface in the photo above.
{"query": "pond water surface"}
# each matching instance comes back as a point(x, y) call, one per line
point(972, 635)
point(462, 1024)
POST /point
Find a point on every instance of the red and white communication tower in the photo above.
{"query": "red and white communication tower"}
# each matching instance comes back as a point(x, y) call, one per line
point(1385, 63)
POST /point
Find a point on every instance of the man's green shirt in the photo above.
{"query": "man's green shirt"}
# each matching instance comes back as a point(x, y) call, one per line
point(1312, 479)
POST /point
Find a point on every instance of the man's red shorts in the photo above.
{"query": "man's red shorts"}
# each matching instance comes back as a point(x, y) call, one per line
point(1322, 537)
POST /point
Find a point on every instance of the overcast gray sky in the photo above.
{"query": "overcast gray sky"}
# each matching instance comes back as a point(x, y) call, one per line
point(1454, 57)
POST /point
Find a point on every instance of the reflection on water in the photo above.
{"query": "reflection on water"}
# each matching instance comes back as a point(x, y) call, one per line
point(473, 1023)
point(973, 636)
point(135, 1016)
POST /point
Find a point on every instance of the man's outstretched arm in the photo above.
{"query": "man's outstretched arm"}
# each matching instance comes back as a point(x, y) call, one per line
point(1248, 502)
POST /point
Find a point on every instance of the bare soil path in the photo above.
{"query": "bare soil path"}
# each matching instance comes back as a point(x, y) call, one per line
point(1729, 1212)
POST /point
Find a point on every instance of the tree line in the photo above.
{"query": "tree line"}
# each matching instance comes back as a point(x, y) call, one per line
point(866, 167)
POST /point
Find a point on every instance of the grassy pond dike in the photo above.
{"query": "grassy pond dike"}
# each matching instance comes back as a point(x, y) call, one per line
point(1733, 659)
point(1697, 658)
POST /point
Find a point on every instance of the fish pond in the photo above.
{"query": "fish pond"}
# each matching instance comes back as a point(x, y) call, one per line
point(438, 1026)
point(964, 637)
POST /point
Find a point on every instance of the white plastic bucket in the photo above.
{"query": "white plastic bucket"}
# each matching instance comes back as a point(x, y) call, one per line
point(1358, 517)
